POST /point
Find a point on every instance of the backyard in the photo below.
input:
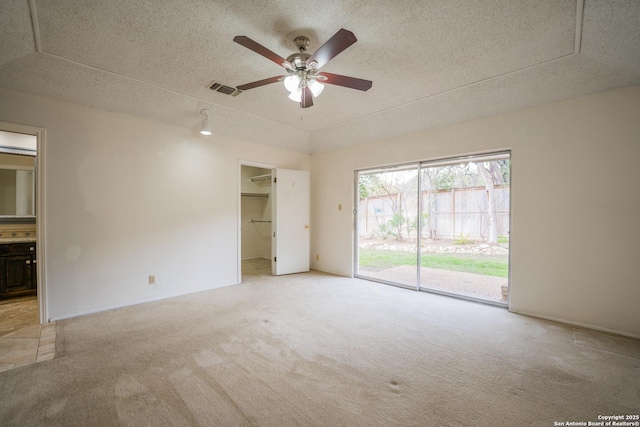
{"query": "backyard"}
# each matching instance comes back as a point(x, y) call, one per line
point(492, 265)
point(474, 270)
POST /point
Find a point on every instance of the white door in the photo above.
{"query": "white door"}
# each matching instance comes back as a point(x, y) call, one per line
point(290, 244)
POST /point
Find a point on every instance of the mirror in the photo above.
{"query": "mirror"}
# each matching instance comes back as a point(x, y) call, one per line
point(17, 187)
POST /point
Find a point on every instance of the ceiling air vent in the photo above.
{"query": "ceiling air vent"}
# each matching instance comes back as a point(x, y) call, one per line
point(227, 90)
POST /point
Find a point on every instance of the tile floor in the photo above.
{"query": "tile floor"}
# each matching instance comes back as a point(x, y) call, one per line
point(23, 340)
point(256, 267)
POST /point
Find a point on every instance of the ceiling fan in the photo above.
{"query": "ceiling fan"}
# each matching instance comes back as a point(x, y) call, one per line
point(304, 80)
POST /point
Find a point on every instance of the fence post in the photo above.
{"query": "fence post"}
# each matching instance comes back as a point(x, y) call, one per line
point(453, 214)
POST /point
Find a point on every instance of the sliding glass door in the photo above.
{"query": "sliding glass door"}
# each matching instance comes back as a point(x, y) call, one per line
point(465, 227)
point(387, 225)
point(437, 226)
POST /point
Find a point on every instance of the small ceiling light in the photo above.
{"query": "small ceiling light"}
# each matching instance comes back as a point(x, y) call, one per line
point(316, 87)
point(292, 83)
point(205, 129)
point(295, 84)
point(296, 95)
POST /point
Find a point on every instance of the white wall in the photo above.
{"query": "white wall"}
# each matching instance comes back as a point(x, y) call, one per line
point(127, 198)
point(575, 235)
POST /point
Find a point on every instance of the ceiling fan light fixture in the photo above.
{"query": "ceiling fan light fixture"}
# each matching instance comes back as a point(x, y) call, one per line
point(296, 95)
point(292, 83)
point(303, 81)
point(205, 129)
point(316, 87)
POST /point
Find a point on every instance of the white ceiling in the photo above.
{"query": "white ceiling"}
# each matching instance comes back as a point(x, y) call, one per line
point(432, 62)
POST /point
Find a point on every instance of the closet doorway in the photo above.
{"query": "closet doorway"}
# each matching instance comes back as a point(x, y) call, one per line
point(273, 221)
point(255, 221)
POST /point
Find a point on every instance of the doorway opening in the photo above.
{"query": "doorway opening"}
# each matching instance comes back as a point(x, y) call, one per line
point(22, 262)
point(26, 223)
point(20, 195)
point(23, 303)
point(273, 221)
point(255, 221)
point(438, 226)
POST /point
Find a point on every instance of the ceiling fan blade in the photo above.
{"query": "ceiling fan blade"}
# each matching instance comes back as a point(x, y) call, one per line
point(261, 50)
point(336, 44)
point(346, 81)
point(259, 83)
point(307, 98)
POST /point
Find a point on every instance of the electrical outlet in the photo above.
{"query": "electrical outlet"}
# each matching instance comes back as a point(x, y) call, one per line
point(318, 257)
point(152, 280)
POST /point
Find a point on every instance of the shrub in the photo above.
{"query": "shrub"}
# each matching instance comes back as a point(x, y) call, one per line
point(463, 240)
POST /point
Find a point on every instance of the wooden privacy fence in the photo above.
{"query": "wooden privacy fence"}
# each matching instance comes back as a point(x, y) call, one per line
point(446, 214)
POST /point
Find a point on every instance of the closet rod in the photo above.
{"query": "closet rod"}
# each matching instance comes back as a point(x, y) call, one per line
point(260, 178)
point(259, 220)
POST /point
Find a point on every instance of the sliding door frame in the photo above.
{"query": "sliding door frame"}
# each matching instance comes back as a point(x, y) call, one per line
point(420, 165)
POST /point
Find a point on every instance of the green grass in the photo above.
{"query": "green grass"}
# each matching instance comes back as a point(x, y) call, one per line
point(454, 262)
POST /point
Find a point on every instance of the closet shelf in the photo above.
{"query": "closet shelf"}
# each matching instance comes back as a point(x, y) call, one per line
point(254, 194)
point(260, 178)
point(259, 220)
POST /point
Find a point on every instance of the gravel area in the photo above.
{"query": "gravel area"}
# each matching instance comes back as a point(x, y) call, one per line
point(468, 284)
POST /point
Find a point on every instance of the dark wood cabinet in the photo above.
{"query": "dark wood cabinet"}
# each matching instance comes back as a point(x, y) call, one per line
point(17, 269)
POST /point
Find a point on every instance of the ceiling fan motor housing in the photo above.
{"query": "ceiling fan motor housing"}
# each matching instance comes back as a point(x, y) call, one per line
point(300, 68)
point(302, 43)
point(298, 60)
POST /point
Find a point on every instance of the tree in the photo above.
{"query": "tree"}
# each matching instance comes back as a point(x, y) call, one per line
point(431, 182)
point(436, 179)
point(368, 185)
point(395, 189)
point(489, 175)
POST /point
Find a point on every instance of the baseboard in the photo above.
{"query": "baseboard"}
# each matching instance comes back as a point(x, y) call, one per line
point(332, 272)
point(578, 324)
point(134, 303)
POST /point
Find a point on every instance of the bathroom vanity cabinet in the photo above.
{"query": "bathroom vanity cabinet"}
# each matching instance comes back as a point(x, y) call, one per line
point(17, 269)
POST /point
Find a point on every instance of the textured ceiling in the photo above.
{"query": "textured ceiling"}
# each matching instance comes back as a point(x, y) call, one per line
point(431, 62)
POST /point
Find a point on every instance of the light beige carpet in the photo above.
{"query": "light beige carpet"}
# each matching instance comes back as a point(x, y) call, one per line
point(319, 350)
